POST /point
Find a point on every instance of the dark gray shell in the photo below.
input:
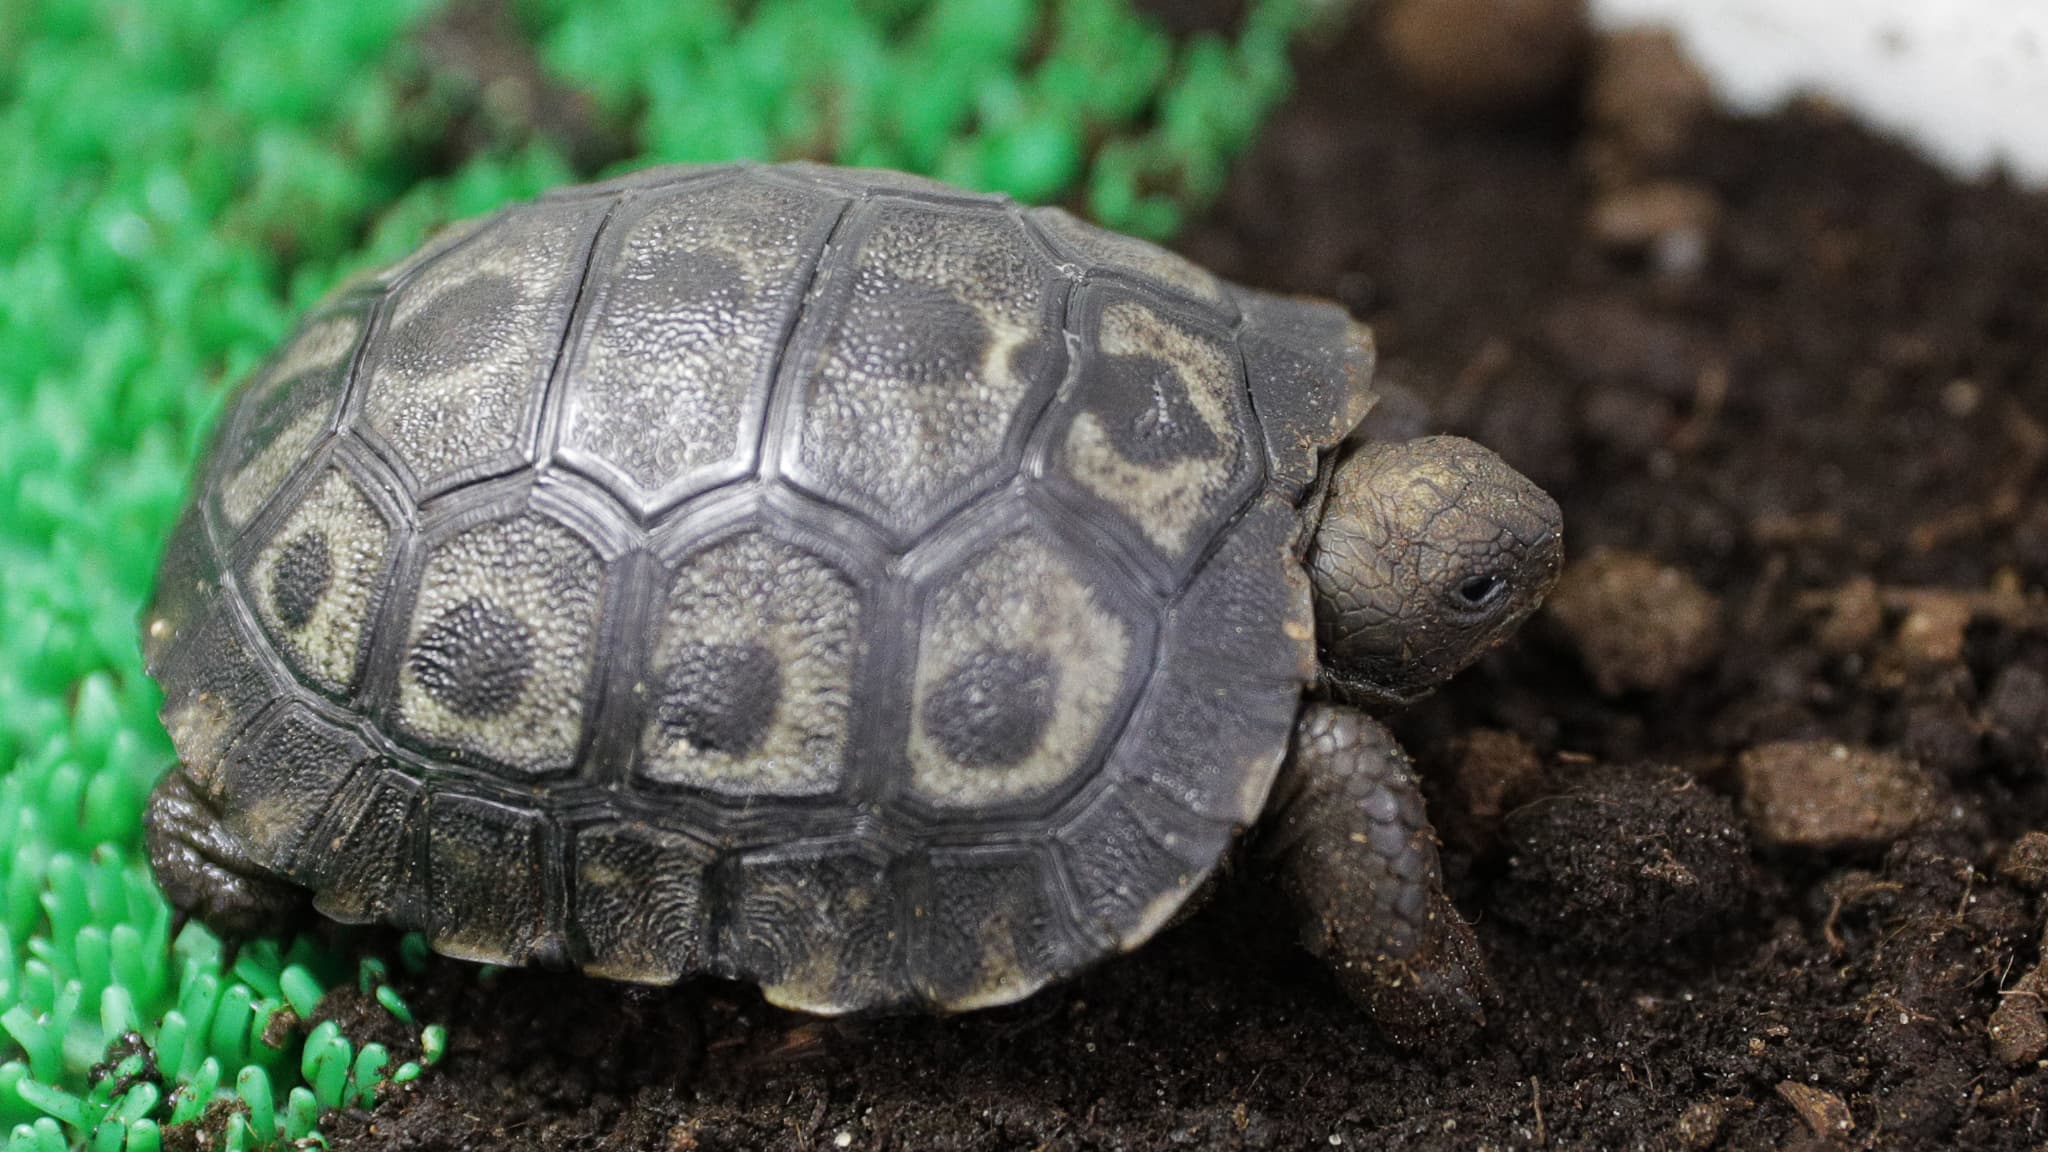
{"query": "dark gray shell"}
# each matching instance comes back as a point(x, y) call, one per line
point(828, 579)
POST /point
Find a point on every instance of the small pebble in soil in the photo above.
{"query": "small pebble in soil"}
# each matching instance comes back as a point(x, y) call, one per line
point(2019, 1025)
point(1637, 624)
point(1484, 56)
point(1643, 100)
point(2026, 862)
point(1627, 859)
point(1818, 794)
point(1823, 1111)
point(1700, 1127)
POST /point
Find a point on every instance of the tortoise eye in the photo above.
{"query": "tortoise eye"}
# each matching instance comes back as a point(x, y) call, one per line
point(1481, 591)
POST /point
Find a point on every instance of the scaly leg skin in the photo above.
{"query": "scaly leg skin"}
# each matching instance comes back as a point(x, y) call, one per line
point(206, 873)
point(1357, 857)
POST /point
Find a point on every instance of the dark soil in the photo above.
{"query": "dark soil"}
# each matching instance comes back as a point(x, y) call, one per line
point(1833, 427)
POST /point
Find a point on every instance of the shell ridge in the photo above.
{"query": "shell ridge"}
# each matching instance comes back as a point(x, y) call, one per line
point(546, 429)
point(806, 325)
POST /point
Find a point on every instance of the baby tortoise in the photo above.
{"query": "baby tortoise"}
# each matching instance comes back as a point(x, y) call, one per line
point(889, 595)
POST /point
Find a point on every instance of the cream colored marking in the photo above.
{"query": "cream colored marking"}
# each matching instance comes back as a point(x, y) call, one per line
point(1159, 912)
point(1000, 977)
point(469, 945)
point(199, 730)
point(666, 374)
point(550, 580)
point(1129, 255)
point(319, 348)
point(1006, 988)
point(1020, 596)
point(357, 541)
point(1166, 501)
point(443, 420)
point(754, 590)
point(899, 443)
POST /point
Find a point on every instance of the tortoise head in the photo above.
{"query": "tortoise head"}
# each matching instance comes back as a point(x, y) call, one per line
point(1430, 552)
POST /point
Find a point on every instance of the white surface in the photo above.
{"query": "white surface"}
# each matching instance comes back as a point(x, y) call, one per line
point(1965, 80)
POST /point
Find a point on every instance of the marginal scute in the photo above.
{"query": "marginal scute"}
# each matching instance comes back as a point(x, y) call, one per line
point(691, 292)
point(639, 909)
point(1020, 670)
point(992, 932)
point(1156, 430)
point(279, 417)
point(280, 779)
point(216, 685)
point(752, 676)
point(187, 592)
point(1235, 656)
point(361, 866)
point(454, 381)
point(1310, 366)
point(820, 932)
point(502, 644)
point(318, 581)
point(932, 364)
point(485, 881)
point(1135, 858)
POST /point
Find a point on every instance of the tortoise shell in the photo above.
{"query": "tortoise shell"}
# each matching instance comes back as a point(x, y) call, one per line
point(830, 579)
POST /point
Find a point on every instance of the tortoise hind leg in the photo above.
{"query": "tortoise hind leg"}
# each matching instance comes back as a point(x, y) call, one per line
point(1357, 857)
point(207, 873)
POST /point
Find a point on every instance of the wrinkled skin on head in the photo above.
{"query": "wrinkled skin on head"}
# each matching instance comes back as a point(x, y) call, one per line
point(1430, 552)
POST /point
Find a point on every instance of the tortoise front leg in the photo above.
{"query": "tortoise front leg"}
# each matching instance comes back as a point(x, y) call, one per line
point(206, 872)
point(1357, 857)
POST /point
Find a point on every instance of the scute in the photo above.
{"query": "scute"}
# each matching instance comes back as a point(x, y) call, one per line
point(453, 383)
point(1156, 430)
point(929, 365)
point(692, 291)
point(361, 867)
point(1094, 247)
point(820, 930)
point(824, 578)
point(283, 776)
point(752, 677)
point(1022, 671)
point(993, 931)
point(279, 417)
point(318, 581)
point(1136, 857)
point(641, 911)
point(503, 643)
point(486, 880)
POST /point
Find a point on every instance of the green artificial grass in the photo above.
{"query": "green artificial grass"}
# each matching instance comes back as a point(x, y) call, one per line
point(181, 178)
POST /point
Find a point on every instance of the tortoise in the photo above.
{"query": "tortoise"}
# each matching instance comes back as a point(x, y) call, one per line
point(893, 596)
